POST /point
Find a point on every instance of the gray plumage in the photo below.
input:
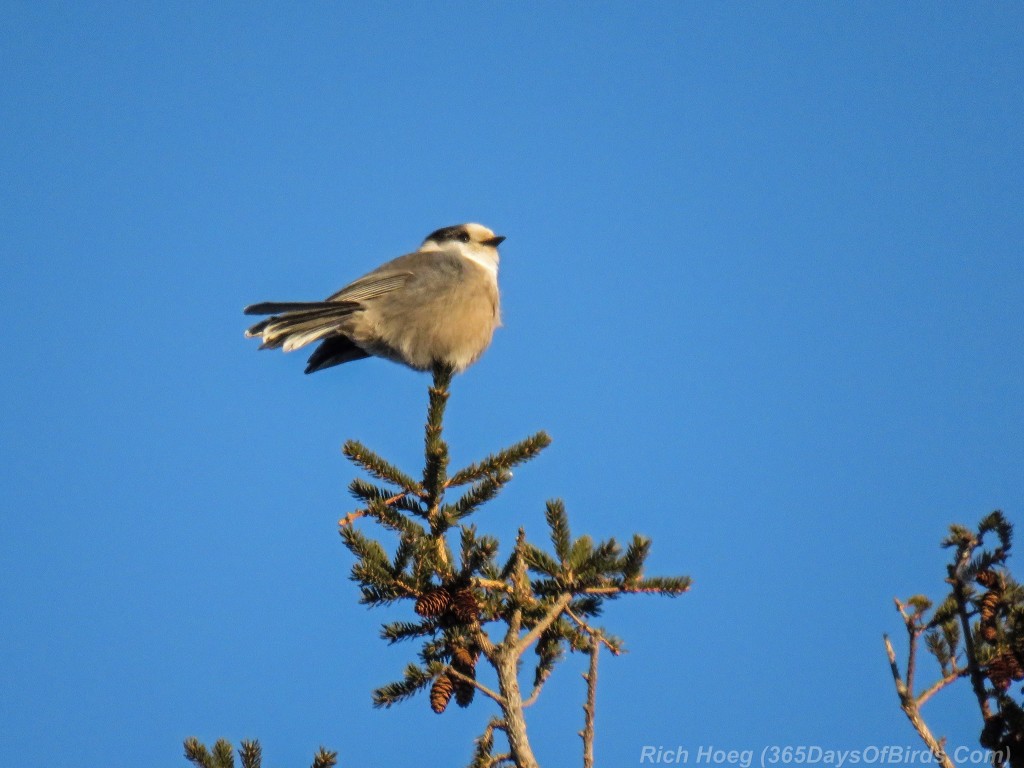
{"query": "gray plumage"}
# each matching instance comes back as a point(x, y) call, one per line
point(439, 304)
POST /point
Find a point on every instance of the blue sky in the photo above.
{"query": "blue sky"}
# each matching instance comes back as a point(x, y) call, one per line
point(762, 284)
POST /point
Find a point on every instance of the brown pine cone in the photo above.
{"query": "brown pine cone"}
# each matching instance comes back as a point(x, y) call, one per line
point(464, 606)
point(986, 578)
point(463, 659)
point(433, 603)
point(999, 671)
point(464, 693)
point(989, 603)
point(991, 733)
point(464, 662)
point(1013, 667)
point(441, 693)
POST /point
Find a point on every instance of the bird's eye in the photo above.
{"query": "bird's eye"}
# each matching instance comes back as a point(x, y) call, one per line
point(464, 237)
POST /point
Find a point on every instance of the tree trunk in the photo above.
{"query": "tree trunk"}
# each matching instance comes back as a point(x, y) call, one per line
point(515, 724)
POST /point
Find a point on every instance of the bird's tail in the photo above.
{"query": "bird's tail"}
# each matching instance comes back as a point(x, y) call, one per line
point(299, 323)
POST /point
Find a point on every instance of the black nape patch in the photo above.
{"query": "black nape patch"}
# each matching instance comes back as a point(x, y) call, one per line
point(445, 234)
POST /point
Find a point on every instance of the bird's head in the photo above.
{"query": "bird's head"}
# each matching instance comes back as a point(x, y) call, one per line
point(473, 241)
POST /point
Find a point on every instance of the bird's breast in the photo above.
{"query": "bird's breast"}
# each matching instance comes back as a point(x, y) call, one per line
point(447, 315)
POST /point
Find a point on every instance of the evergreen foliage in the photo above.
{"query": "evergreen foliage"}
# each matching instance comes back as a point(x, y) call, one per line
point(976, 633)
point(250, 755)
point(468, 606)
point(472, 607)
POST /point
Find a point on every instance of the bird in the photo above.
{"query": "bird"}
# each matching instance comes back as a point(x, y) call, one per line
point(438, 305)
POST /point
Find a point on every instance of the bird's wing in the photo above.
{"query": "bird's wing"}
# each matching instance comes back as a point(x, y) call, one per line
point(375, 284)
point(273, 307)
point(423, 267)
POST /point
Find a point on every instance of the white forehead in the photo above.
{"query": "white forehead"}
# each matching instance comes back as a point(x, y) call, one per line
point(478, 231)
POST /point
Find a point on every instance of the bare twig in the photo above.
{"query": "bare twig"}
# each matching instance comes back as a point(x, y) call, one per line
point(913, 632)
point(938, 685)
point(589, 706)
point(910, 708)
point(453, 672)
point(593, 633)
point(549, 618)
point(535, 693)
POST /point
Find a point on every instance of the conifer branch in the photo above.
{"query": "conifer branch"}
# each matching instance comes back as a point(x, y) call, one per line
point(325, 758)
point(364, 547)
point(367, 491)
point(670, 590)
point(483, 756)
point(521, 452)
point(477, 552)
point(541, 562)
point(197, 753)
point(669, 586)
point(222, 755)
point(492, 584)
point(436, 450)
point(960, 593)
point(550, 650)
point(381, 595)
point(415, 680)
point(604, 558)
point(581, 551)
point(633, 561)
point(482, 491)
point(251, 754)
point(595, 634)
point(381, 508)
point(587, 605)
point(397, 631)
point(359, 454)
point(558, 522)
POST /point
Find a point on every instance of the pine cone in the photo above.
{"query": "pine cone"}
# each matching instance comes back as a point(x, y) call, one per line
point(989, 603)
point(1001, 670)
point(441, 693)
point(465, 607)
point(433, 603)
point(464, 693)
point(1014, 667)
point(986, 579)
point(464, 660)
point(992, 732)
point(1017, 649)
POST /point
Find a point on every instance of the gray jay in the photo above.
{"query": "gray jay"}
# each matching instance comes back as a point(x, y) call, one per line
point(436, 305)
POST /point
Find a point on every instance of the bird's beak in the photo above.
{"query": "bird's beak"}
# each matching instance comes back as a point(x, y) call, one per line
point(494, 241)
